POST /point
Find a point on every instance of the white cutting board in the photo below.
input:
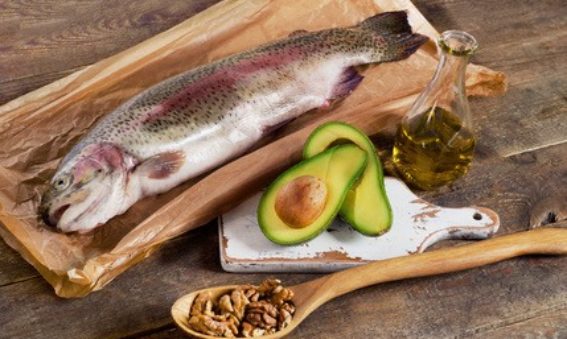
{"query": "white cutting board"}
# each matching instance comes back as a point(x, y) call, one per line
point(417, 225)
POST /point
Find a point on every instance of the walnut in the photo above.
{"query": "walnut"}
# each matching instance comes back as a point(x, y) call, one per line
point(202, 305)
point(252, 294)
point(283, 295)
point(268, 285)
point(254, 319)
point(288, 307)
point(284, 319)
point(262, 314)
point(269, 321)
point(220, 326)
point(225, 304)
point(239, 302)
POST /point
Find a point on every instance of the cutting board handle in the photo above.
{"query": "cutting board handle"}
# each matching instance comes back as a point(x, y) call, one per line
point(551, 241)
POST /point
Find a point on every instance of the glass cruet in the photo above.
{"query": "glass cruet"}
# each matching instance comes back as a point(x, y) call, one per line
point(434, 143)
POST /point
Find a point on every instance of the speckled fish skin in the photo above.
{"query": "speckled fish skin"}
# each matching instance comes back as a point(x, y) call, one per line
point(200, 119)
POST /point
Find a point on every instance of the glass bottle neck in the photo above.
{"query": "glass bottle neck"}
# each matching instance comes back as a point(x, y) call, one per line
point(451, 69)
point(447, 88)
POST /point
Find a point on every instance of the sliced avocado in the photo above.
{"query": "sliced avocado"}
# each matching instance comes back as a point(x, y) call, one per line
point(304, 200)
point(366, 207)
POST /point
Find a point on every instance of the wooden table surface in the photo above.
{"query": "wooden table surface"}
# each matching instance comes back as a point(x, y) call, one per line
point(520, 171)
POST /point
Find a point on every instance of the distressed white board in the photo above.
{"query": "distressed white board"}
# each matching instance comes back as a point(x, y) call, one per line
point(417, 225)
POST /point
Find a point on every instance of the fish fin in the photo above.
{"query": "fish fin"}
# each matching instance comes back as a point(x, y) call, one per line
point(392, 31)
point(387, 23)
point(162, 165)
point(350, 79)
point(401, 47)
point(298, 32)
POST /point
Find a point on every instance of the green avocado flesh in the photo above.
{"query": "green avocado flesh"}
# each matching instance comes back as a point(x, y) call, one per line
point(338, 167)
point(366, 207)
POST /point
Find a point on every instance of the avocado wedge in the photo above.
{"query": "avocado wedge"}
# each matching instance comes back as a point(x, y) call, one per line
point(366, 207)
point(303, 201)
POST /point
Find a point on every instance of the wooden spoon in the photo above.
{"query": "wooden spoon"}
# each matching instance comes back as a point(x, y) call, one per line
point(312, 294)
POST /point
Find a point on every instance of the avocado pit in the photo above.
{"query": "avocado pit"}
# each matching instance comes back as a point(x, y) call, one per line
point(301, 201)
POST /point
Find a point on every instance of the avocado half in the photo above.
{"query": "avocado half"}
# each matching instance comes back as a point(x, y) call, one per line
point(285, 212)
point(366, 207)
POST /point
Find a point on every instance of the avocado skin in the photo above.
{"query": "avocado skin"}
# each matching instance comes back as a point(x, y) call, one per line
point(334, 159)
point(335, 131)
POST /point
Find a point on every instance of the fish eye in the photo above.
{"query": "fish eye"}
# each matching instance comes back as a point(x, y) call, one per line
point(62, 183)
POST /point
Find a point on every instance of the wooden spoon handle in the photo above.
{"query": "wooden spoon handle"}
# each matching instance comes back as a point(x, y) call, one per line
point(540, 241)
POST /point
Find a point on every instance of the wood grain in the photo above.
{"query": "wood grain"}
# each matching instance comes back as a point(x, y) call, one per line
point(526, 296)
point(11, 268)
point(42, 41)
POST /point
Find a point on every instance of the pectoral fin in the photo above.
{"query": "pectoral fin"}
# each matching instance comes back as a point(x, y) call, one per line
point(162, 165)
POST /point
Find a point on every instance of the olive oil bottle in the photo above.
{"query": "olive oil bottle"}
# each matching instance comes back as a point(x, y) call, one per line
point(434, 143)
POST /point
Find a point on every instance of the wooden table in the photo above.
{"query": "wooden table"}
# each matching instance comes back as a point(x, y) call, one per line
point(520, 171)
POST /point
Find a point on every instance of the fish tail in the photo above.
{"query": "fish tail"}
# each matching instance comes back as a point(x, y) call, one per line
point(396, 40)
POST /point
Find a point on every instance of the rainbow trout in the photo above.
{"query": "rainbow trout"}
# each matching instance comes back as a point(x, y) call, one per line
point(200, 119)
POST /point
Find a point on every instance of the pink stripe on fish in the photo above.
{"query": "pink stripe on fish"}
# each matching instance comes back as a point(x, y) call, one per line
point(222, 80)
point(190, 95)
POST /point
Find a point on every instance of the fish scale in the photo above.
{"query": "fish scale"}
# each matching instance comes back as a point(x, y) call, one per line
point(200, 119)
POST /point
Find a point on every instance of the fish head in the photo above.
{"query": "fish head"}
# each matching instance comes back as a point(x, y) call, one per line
point(88, 188)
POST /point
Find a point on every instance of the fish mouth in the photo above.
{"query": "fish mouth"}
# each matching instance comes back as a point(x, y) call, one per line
point(53, 219)
point(77, 224)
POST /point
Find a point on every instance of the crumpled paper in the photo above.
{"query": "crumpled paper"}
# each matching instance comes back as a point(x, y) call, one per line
point(39, 128)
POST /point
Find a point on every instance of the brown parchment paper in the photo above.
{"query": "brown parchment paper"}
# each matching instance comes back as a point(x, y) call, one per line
point(39, 128)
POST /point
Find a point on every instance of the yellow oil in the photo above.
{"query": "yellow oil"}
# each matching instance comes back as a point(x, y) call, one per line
point(433, 149)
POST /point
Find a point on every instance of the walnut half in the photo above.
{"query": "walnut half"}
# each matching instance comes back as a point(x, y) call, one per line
point(217, 325)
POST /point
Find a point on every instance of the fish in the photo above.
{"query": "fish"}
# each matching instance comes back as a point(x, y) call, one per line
point(198, 120)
